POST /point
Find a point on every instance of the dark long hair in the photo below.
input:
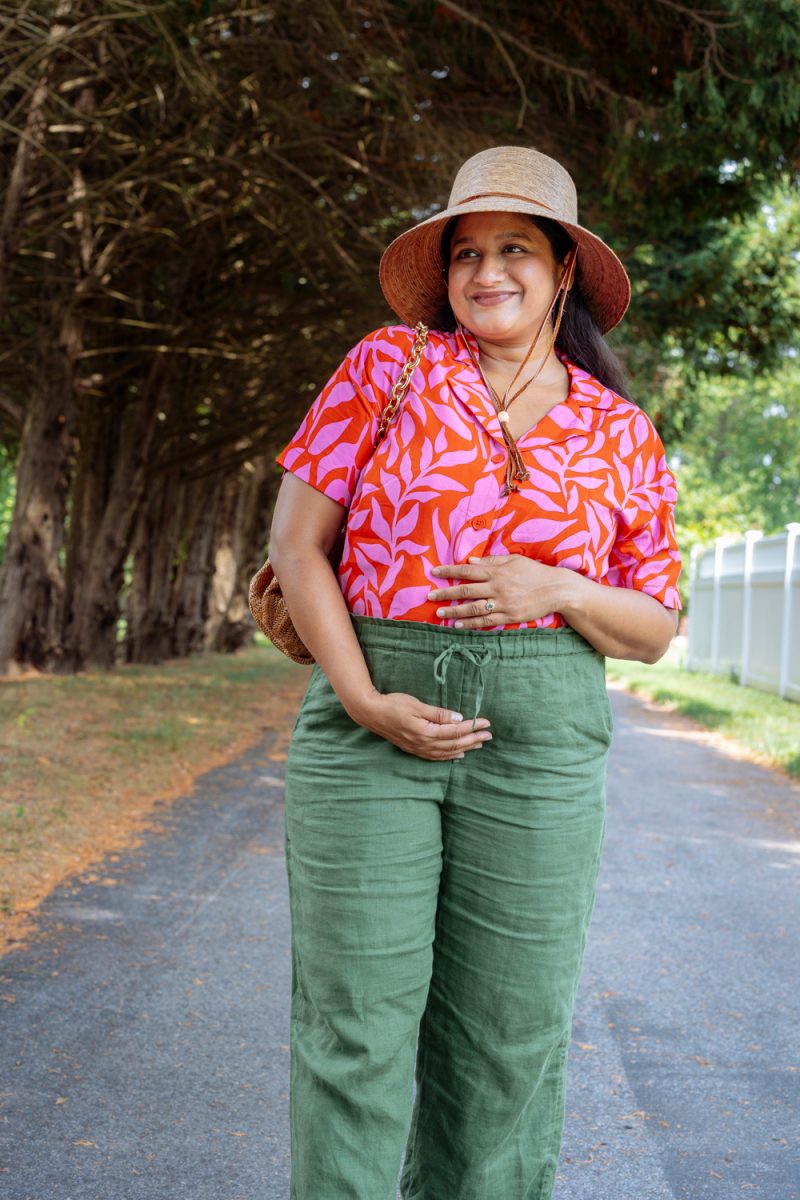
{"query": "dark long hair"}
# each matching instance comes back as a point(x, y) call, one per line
point(578, 335)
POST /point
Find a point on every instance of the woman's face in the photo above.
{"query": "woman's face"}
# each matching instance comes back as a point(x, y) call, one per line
point(502, 276)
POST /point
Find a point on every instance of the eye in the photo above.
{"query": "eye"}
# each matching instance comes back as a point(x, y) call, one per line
point(513, 247)
point(464, 254)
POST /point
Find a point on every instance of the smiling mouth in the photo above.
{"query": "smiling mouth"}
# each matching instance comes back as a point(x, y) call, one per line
point(491, 297)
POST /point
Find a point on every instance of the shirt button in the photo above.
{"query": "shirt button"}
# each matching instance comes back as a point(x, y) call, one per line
point(478, 522)
point(498, 458)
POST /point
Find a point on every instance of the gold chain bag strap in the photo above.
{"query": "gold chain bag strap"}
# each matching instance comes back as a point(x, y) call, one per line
point(265, 596)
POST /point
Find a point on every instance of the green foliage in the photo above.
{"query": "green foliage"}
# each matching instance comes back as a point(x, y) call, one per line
point(214, 183)
point(735, 303)
point(732, 97)
point(726, 376)
point(725, 388)
point(7, 493)
point(738, 467)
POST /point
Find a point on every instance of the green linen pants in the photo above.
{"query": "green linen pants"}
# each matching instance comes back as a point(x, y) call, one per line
point(439, 913)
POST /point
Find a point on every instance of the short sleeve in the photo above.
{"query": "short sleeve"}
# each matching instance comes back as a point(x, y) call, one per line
point(645, 553)
point(337, 436)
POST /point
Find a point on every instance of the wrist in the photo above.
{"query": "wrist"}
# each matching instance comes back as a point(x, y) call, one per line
point(360, 705)
point(572, 593)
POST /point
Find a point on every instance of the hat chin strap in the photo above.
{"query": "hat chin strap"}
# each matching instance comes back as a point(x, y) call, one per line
point(516, 471)
point(561, 291)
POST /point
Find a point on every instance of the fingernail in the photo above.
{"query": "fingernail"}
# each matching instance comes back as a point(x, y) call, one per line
point(458, 624)
point(440, 612)
point(459, 756)
point(456, 717)
point(431, 595)
point(486, 737)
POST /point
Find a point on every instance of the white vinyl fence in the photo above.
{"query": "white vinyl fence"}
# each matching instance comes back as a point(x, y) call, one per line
point(744, 615)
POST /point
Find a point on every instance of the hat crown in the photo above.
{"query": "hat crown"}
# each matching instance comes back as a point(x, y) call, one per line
point(516, 173)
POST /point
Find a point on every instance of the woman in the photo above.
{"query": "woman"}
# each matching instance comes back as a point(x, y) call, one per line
point(513, 527)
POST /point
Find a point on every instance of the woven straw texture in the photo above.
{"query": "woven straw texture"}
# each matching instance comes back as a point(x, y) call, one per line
point(503, 179)
point(272, 616)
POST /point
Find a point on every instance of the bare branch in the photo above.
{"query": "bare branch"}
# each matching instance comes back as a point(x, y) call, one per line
point(12, 410)
point(560, 66)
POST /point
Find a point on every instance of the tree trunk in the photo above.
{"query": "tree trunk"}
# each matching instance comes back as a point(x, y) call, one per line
point(155, 545)
point(31, 579)
point(109, 487)
point(196, 545)
point(195, 566)
point(240, 542)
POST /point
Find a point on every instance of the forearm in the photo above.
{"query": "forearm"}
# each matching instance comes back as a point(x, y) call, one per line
point(304, 528)
point(619, 622)
point(320, 616)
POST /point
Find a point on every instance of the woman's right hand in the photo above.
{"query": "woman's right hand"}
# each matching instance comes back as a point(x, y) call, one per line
point(304, 528)
point(436, 734)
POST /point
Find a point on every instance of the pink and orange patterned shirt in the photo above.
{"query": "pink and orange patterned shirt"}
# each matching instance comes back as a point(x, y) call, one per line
point(599, 500)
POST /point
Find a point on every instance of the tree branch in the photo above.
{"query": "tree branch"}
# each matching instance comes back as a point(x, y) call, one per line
point(547, 60)
point(12, 410)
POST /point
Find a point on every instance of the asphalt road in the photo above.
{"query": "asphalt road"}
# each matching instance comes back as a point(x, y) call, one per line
point(143, 1052)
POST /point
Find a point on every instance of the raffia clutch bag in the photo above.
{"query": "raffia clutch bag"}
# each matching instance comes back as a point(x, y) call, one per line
point(265, 596)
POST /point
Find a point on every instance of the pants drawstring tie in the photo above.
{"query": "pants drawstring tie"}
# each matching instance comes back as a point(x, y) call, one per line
point(478, 658)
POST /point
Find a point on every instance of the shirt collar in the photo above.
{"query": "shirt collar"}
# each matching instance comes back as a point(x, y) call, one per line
point(568, 417)
point(585, 390)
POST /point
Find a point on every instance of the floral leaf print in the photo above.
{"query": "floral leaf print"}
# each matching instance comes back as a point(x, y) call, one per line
point(539, 530)
point(325, 435)
point(376, 552)
point(540, 500)
point(380, 525)
point(405, 524)
point(388, 581)
point(409, 547)
point(599, 500)
point(407, 599)
point(445, 483)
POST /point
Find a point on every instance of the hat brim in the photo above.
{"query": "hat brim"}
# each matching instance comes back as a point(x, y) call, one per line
point(411, 268)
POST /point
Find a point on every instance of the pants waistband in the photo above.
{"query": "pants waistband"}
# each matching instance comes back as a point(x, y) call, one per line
point(420, 637)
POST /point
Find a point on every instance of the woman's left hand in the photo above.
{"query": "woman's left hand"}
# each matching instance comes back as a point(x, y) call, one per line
point(518, 589)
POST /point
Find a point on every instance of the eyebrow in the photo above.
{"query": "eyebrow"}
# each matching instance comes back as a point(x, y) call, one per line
point(498, 236)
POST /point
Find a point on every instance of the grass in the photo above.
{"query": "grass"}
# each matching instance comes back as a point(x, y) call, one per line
point(767, 726)
point(87, 758)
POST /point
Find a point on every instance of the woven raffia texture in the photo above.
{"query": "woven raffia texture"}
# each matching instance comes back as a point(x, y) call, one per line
point(272, 616)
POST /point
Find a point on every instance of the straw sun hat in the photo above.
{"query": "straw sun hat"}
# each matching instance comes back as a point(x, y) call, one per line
point(503, 179)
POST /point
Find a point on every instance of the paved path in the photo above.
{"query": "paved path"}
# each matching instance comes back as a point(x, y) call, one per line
point(143, 1052)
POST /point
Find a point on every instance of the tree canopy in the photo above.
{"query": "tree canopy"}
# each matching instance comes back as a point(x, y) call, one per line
point(197, 197)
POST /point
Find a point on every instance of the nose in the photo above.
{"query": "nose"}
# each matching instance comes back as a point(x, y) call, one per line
point(489, 269)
